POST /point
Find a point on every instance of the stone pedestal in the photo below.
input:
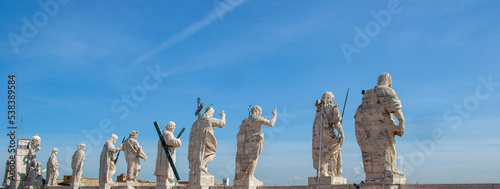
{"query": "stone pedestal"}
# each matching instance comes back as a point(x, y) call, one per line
point(325, 182)
point(107, 185)
point(380, 186)
point(247, 184)
point(385, 178)
point(166, 185)
point(132, 184)
point(201, 181)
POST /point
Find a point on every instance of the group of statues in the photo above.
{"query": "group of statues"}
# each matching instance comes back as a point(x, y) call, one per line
point(375, 131)
point(132, 152)
point(203, 144)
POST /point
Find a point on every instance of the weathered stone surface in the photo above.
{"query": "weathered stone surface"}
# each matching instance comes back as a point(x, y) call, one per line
point(201, 181)
point(132, 152)
point(163, 171)
point(77, 166)
point(107, 163)
point(202, 147)
point(52, 169)
point(376, 130)
point(329, 180)
point(250, 183)
point(342, 186)
point(250, 142)
point(327, 140)
point(23, 169)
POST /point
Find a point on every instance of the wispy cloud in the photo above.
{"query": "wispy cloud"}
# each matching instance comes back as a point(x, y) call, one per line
point(295, 178)
point(220, 9)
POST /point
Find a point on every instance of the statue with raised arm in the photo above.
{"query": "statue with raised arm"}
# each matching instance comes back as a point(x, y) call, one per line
point(77, 166)
point(376, 130)
point(327, 140)
point(132, 152)
point(52, 169)
point(107, 166)
point(250, 142)
point(202, 147)
point(163, 171)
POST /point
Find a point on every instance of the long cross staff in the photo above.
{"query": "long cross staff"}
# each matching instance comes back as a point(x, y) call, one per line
point(118, 155)
point(345, 102)
point(167, 151)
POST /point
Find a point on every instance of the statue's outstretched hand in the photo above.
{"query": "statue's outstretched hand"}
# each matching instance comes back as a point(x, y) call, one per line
point(222, 114)
point(274, 112)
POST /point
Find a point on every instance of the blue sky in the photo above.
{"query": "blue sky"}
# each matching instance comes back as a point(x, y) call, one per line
point(83, 58)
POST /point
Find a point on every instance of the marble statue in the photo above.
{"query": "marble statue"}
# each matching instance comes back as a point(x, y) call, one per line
point(34, 171)
point(327, 140)
point(52, 169)
point(35, 177)
point(376, 130)
point(163, 171)
point(77, 166)
point(202, 147)
point(108, 168)
point(250, 141)
point(133, 151)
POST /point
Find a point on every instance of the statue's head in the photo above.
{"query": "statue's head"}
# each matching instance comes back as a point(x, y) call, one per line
point(36, 139)
point(328, 97)
point(113, 138)
point(55, 150)
point(82, 147)
point(384, 79)
point(134, 134)
point(209, 113)
point(170, 126)
point(256, 111)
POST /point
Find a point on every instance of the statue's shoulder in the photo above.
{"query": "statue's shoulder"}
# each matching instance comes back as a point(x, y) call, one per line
point(385, 91)
point(168, 133)
point(244, 121)
point(369, 97)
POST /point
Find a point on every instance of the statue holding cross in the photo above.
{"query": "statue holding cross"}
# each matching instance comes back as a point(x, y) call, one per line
point(202, 146)
point(164, 171)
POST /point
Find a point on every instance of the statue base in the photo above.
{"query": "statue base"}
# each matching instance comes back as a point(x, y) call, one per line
point(166, 185)
point(247, 184)
point(329, 180)
point(75, 185)
point(132, 184)
point(107, 185)
point(380, 186)
point(201, 180)
point(385, 178)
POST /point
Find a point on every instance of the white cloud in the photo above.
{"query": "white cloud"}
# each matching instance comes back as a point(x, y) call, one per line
point(295, 178)
point(218, 12)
